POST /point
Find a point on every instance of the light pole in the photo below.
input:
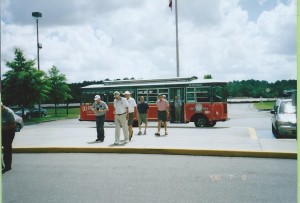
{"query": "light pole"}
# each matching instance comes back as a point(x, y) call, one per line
point(38, 15)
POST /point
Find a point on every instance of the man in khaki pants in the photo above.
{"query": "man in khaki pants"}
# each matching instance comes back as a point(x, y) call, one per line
point(121, 117)
point(131, 109)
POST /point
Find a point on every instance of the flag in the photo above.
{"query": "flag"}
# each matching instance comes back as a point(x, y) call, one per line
point(170, 4)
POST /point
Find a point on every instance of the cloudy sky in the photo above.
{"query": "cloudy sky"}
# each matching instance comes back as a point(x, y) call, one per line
point(94, 40)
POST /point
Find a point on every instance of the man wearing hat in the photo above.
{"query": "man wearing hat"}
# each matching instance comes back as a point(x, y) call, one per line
point(131, 110)
point(121, 117)
point(8, 135)
point(99, 108)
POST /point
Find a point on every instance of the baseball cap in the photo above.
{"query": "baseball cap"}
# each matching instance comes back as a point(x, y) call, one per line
point(127, 92)
point(116, 93)
point(97, 97)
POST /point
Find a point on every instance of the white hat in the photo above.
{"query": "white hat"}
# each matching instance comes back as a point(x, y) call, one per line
point(116, 93)
point(97, 97)
point(127, 92)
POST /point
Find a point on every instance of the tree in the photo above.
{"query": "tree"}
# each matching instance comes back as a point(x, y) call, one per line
point(60, 91)
point(208, 76)
point(24, 85)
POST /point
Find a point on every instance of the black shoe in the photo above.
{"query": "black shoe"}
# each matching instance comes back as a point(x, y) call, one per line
point(98, 140)
point(130, 136)
point(5, 170)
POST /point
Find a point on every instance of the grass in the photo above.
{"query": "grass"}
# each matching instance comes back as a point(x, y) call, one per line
point(264, 105)
point(61, 114)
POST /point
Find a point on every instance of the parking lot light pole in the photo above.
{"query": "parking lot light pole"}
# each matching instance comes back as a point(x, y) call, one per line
point(38, 15)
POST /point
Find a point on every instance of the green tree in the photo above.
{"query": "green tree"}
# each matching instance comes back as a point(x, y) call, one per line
point(208, 76)
point(60, 91)
point(23, 84)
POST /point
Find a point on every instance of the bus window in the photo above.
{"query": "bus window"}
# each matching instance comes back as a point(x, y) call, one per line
point(152, 91)
point(88, 97)
point(190, 94)
point(152, 96)
point(203, 94)
point(143, 93)
point(111, 97)
point(218, 94)
point(152, 99)
point(164, 92)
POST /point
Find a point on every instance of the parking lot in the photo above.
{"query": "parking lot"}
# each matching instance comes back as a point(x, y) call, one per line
point(247, 130)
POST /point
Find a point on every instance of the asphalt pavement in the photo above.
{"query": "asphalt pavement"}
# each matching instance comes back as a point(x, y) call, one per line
point(135, 178)
point(236, 137)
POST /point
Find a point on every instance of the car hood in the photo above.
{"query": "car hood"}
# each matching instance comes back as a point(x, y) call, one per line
point(287, 118)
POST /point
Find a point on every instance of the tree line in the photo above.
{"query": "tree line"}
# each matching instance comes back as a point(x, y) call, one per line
point(24, 85)
point(245, 88)
point(256, 89)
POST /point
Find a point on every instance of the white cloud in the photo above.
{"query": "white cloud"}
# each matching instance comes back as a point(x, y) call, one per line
point(95, 40)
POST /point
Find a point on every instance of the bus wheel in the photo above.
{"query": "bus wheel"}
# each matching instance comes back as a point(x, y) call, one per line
point(201, 121)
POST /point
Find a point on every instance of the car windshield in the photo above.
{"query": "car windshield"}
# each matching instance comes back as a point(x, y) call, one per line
point(287, 108)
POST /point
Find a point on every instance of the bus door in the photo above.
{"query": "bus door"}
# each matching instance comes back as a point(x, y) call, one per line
point(219, 104)
point(177, 114)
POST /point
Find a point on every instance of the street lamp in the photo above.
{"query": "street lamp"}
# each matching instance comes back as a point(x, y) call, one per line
point(38, 15)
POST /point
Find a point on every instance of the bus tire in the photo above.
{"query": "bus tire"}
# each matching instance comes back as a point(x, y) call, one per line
point(201, 121)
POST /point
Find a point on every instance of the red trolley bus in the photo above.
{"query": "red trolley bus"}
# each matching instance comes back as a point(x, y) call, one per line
point(204, 102)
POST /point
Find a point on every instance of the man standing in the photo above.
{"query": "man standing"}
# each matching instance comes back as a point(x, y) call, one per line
point(177, 105)
point(162, 113)
point(99, 108)
point(142, 108)
point(131, 110)
point(8, 135)
point(121, 117)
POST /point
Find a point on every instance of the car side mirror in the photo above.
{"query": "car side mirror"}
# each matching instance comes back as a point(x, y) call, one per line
point(272, 112)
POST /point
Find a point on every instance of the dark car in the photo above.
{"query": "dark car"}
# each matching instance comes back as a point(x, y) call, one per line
point(284, 122)
point(31, 113)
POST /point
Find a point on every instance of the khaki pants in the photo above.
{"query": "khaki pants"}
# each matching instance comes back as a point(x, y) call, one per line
point(121, 121)
point(178, 114)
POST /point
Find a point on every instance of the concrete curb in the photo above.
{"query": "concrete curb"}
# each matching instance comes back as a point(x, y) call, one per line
point(169, 151)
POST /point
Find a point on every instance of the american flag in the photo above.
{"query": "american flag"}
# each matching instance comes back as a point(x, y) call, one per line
point(170, 4)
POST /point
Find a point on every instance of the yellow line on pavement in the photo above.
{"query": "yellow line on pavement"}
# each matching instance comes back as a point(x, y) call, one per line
point(171, 151)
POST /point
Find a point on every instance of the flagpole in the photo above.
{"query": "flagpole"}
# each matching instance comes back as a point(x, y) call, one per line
point(177, 48)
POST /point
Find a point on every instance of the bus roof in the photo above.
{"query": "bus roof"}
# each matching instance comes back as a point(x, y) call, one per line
point(154, 82)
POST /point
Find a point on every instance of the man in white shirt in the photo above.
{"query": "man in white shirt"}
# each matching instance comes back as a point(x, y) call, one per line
point(131, 110)
point(121, 117)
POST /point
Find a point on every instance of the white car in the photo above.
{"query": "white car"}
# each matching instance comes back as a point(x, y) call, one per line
point(284, 122)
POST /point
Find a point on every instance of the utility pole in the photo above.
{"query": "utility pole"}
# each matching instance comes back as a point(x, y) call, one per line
point(177, 45)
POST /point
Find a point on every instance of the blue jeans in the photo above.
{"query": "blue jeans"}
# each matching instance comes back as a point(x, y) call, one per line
point(100, 127)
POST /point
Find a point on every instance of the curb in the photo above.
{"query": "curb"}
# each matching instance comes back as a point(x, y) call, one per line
point(168, 151)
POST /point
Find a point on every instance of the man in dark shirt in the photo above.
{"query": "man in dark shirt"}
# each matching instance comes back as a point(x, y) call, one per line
point(99, 107)
point(8, 135)
point(142, 114)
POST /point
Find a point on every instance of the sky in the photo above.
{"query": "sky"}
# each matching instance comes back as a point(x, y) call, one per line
point(93, 40)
